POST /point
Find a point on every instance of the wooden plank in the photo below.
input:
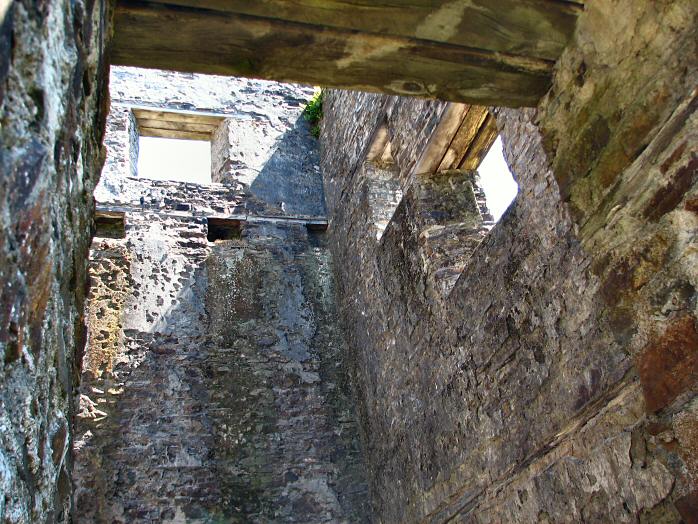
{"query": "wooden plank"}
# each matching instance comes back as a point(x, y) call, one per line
point(161, 36)
point(465, 136)
point(172, 124)
point(178, 134)
point(535, 28)
point(440, 139)
point(481, 145)
point(196, 117)
point(144, 125)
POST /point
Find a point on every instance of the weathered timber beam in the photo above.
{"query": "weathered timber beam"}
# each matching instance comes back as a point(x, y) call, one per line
point(148, 34)
point(534, 28)
point(189, 117)
point(460, 141)
point(178, 126)
point(167, 124)
point(180, 134)
point(464, 137)
point(481, 144)
point(440, 139)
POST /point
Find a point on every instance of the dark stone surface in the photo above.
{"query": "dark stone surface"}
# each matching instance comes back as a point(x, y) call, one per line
point(516, 397)
point(52, 100)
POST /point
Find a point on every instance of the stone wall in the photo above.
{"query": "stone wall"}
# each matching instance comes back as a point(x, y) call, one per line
point(556, 381)
point(620, 128)
point(53, 103)
point(262, 147)
point(214, 387)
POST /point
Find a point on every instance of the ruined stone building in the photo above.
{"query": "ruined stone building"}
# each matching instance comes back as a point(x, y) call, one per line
point(335, 329)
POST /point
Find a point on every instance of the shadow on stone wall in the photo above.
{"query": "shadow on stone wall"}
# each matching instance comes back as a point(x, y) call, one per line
point(292, 174)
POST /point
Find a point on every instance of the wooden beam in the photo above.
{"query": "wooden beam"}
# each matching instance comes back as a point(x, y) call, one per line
point(464, 137)
point(176, 115)
point(481, 144)
point(178, 37)
point(440, 139)
point(460, 141)
point(168, 124)
point(175, 133)
point(534, 28)
point(174, 124)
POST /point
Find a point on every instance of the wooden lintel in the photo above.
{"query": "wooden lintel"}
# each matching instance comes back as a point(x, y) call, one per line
point(174, 133)
point(460, 141)
point(173, 115)
point(441, 138)
point(464, 137)
point(255, 40)
point(166, 124)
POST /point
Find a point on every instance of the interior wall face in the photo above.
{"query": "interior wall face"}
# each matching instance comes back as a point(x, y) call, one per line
point(261, 149)
point(621, 128)
point(214, 387)
point(556, 382)
point(213, 390)
point(53, 102)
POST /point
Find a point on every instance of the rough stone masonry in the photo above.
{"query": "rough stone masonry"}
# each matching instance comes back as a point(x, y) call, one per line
point(556, 380)
point(540, 371)
point(53, 101)
point(213, 388)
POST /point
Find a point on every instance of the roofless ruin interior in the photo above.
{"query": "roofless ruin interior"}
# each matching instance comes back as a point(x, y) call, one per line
point(324, 262)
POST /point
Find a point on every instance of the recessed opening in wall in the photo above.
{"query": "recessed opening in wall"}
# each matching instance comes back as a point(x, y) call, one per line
point(174, 159)
point(175, 145)
point(466, 138)
point(110, 224)
point(497, 181)
point(223, 229)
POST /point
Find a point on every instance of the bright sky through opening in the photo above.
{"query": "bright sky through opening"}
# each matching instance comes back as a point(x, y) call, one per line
point(497, 182)
point(174, 159)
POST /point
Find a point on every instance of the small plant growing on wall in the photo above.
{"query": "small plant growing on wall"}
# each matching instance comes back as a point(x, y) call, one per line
point(313, 113)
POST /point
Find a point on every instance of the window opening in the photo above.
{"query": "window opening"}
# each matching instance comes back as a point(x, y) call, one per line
point(497, 181)
point(175, 145)
point(316, 226)
point(174, 159)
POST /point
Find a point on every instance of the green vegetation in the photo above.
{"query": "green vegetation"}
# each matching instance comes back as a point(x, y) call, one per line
point(313, 113)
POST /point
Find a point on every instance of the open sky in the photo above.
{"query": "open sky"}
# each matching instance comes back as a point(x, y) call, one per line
point(190, 161)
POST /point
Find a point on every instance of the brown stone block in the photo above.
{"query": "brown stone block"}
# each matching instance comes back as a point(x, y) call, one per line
point(668, 366)
point(688, 507)
point(670, 196)
point(692, 205)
